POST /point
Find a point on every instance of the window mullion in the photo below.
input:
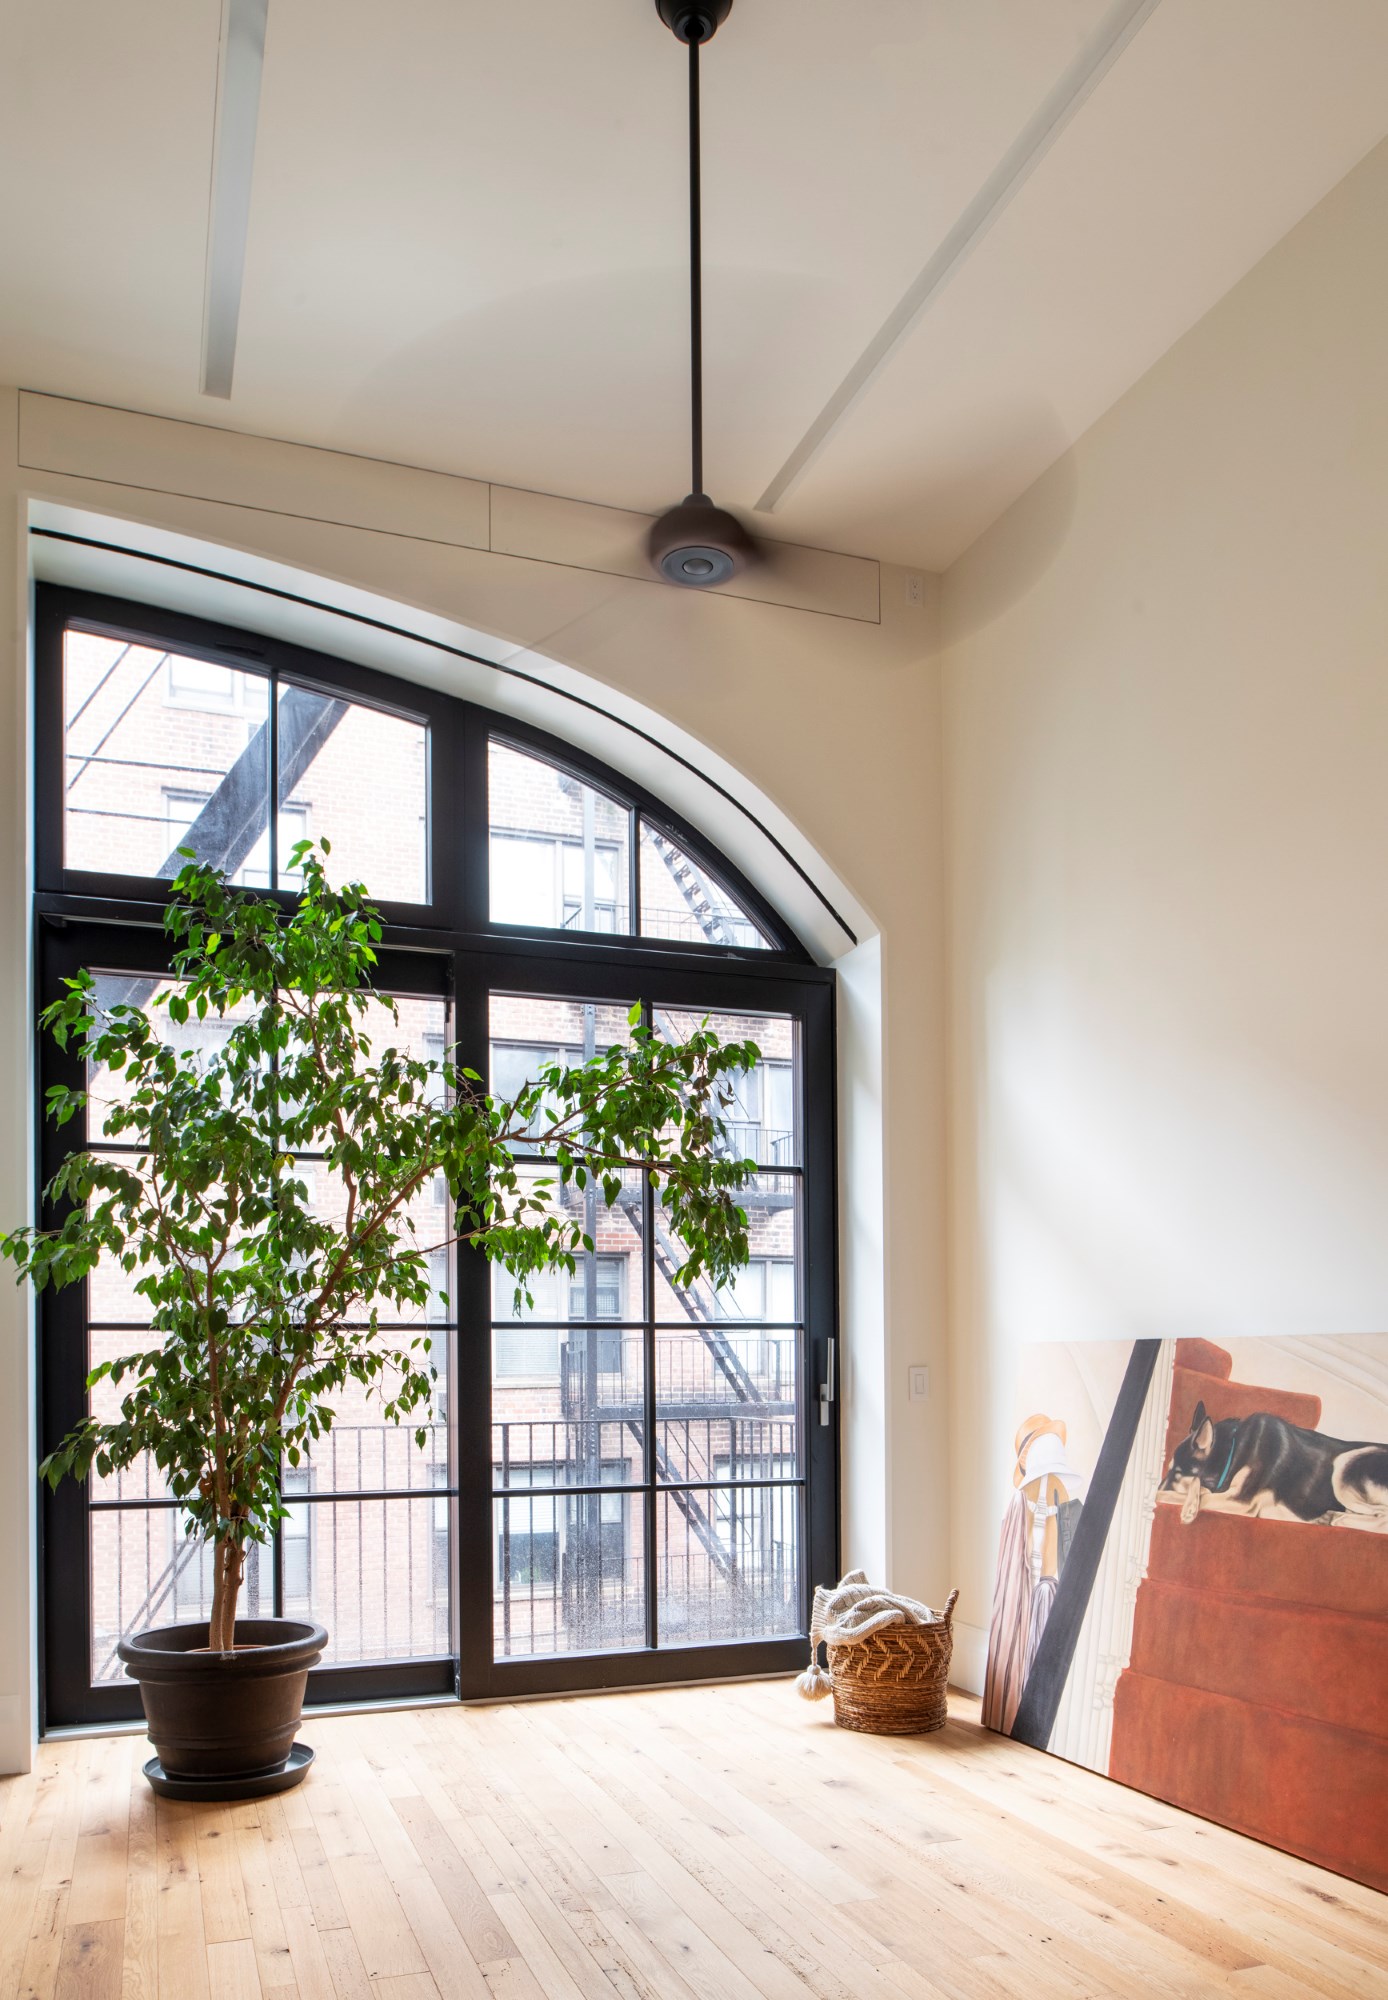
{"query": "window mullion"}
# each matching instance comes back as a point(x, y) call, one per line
point(272, 723)
point(648, 1340)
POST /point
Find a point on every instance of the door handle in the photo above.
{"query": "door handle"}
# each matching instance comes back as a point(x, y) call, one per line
point(828, 1387)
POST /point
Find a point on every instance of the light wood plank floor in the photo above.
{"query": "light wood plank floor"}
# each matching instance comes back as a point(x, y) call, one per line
point(708, 1844)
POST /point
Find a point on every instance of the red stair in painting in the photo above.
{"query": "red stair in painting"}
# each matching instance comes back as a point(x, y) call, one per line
point(1257, 1692)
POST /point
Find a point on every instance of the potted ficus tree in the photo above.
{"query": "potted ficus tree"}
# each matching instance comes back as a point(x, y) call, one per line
point(267, 1042)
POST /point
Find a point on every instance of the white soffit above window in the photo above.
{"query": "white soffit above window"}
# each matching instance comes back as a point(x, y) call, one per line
point(125, 448)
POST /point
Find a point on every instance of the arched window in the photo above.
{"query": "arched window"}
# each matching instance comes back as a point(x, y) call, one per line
point(625, 1482)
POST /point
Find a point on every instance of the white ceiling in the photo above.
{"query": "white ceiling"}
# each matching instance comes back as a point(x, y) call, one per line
point(466, 240)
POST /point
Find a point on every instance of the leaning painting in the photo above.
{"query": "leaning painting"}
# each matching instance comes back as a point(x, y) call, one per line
point(1192, 1588)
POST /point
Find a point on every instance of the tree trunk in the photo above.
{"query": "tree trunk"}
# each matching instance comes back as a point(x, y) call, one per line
point(228, 1561)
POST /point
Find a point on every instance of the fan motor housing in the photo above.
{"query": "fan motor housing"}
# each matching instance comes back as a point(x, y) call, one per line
point(697, 544)
point(694, 20)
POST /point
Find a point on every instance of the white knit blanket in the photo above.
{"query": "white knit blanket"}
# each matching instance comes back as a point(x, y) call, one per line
point(854, 1609)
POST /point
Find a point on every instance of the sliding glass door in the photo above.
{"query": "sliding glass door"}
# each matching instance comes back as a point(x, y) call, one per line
point(650, 1451)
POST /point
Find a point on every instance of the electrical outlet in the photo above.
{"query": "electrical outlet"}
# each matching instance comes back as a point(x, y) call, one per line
point(919, 1391)
point(915, 587)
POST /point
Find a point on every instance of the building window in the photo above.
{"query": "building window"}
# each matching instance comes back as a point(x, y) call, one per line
point(535, 1531)
point(533, 1353)
point(528, 1541)
point(219, 690)
point(763, 1289)
point(607, 1276)
point(559, 848)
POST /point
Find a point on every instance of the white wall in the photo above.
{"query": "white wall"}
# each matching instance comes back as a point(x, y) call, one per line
point(831, 715)
point(1166, 699)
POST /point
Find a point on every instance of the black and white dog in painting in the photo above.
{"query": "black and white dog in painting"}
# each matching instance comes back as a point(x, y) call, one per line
point(1264, 1466)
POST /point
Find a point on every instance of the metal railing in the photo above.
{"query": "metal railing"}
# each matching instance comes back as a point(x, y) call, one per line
point(605, 1371)
point(569, 1568)
point(768, 1145)
point(376, 1569)
point(739, 931)
point(575, 1607)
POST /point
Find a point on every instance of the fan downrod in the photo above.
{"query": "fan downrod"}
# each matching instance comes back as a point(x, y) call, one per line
point(693, 20)
point(697, 543)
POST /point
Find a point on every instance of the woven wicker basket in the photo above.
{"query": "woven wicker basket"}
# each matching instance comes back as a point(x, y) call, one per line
point(893, 1684)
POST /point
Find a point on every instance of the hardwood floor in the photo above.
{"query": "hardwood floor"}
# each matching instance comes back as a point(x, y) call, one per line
point(703, 1844)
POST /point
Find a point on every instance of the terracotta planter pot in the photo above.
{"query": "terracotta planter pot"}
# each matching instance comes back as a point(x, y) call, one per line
point(223, 1724)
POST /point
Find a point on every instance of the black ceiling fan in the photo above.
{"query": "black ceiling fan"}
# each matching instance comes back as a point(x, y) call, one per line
point(696, 543)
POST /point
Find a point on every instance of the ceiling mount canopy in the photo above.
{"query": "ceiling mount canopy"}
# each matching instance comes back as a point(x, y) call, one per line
point(694, 20)
point(696, 543)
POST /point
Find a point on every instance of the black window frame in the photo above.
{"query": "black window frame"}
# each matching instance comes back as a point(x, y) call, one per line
point(449, 947)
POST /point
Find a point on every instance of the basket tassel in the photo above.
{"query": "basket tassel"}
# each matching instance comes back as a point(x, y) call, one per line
point(816, 1681)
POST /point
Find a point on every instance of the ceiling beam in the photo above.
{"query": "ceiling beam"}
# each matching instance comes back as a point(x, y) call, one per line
point(239, 63)
point(1011, 173)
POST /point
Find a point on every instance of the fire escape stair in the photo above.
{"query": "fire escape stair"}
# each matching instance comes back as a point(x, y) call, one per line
point(701, 1313)
point(730, 1365)
point(695, 891)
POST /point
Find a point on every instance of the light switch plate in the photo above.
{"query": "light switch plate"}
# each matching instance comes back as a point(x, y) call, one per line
point(919, 1391)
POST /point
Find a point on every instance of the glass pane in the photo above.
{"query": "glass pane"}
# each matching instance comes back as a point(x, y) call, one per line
point(763, 1120)
point(681, 899)
point(377, 1575)
point(606, 1282)
point(768, 1285)
point(365, 1452)
point(729, 1565)
point(143, 1480)
point(581, 1425)
point(560, 851)
point(756, 1445)
point(361, 776)
point(727, 1399)
point(568, 1573)
point(529, 1034)
point(146, 1571)
point(161, 752)
point(107, 1089)
point(425, 1223)
point(111, 1294)
point(417, 1029)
